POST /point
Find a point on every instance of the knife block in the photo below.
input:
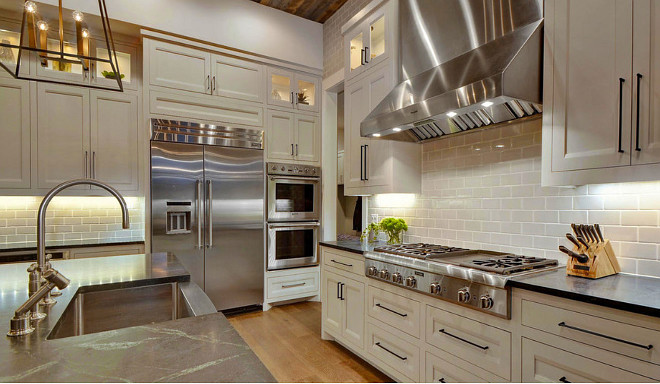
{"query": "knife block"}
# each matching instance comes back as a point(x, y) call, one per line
point(602, 261)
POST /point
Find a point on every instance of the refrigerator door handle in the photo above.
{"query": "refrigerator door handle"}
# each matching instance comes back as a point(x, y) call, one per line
point(209, 211)
point(200, 202)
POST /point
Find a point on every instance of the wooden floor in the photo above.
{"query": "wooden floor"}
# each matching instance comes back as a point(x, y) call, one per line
point(287, 339)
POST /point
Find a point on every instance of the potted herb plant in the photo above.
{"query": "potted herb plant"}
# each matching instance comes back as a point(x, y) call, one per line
point(370, 233)
point(394, 229)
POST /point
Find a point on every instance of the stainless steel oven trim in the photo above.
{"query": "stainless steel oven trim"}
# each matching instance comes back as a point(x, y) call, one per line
point(273, 263)
point(273, 215)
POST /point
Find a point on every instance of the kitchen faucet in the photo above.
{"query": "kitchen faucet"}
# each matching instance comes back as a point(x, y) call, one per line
point(42, 277)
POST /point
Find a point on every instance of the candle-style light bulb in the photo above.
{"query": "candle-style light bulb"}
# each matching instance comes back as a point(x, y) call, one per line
point(85, 32)
point(42, 25)
point(77, 16)
point(30, 6)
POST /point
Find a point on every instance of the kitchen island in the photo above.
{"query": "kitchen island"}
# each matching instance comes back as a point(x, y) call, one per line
point(204, 347)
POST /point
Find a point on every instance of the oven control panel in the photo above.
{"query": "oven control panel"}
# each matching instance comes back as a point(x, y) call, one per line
point(292, 170)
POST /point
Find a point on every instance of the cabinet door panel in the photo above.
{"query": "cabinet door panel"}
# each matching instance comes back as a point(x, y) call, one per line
point(353, 327)
point(378, 167)
point(15, 130)
point(379, 35)
point(354, 42)
point(646, 62)
point(592, 50)
point(307, 89)
point(332, 305)
point(178, 67)
point(356, 102)
point(114, 137)
point(308, 138)
point(280, 88)
point(279, 135)
point(238, 79)
point(62, 134)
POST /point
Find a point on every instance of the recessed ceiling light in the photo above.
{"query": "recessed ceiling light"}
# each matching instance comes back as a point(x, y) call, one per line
point(451, 114)
point(376, 135)
point(397, 129)
point(487, 104)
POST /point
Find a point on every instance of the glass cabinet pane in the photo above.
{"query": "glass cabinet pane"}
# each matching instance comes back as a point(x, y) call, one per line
point(9, 56)
point(377, 38)
point(281, 88)
point(356, 51)
point(306, 92)
point(104, 70)
point(62, 66)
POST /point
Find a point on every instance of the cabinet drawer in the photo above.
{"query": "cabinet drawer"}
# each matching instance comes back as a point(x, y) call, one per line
point(398, 311)
point(293, 285)
point(480, 344)
point(597, 331)
point(208, 108)
point(399, 354)
point(442, 371)
point(345, 263)
point(543, 363)
point(82, 253)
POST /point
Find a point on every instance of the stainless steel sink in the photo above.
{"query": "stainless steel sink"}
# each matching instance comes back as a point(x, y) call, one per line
point(98, 311)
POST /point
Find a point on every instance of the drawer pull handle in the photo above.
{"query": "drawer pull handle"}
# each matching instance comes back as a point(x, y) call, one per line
point(293, 285)
point(563, 379)
point(339, 262)
point(391, 310)
point(463, 340)
point(399, 356)
point(647, 347)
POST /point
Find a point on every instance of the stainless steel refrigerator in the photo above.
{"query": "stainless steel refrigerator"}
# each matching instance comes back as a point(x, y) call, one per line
point(207, 206)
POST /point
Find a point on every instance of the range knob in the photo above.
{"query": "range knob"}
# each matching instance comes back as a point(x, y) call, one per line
point(435, 288)
point(463, 295)
point(384, 274)
point(372, 271)
point(411, 282)
point(485, 302)
point(397, 278)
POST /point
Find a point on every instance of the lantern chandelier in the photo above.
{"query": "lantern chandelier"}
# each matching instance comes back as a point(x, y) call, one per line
point(53, 46)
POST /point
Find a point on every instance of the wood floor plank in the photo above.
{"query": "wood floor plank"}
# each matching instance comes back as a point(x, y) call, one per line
point(287, 339)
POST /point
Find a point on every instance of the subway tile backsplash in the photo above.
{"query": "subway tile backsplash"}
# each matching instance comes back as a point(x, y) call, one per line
point(483, 190)
point(69, 218)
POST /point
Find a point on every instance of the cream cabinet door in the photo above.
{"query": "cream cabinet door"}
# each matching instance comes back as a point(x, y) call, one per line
point(280, 135)
point(355, 42)
point(307, 91)
point(377, 152)
point(352, 294)
point(280, 88)
point(308, 138)
point(178, 67)
point(63, 151)
point(591, 46)
point(646, 86)
point(332, 304)
point(237, 79)
point(15, 131)
point(114, 139)
point(356, 104)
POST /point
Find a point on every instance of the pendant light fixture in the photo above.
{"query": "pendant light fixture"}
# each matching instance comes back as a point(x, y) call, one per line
point(54, 44)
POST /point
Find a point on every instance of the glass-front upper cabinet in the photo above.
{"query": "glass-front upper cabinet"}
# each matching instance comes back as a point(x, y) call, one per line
point(377, 39)
point(102, 73)
point(293, 90)
point(368, 41)
point(356, 54)
point(10, 33)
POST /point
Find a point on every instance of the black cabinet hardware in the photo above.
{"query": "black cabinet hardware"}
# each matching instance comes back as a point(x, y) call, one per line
point(397, 355)
point(339, 262)
point(463, 340)
point(362, 57)
point(563, 379)
point(366, 157)
point(621, 81)
point(391, 310)
point(341, 291)
point(361, 164)
point(338, 294)
point(291, 149)
point(366, 54)
point(647, 347)
point(442, 380)
point(639, 83)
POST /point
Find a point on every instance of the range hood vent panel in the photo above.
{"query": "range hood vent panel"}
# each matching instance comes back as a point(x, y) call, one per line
point(504, 71)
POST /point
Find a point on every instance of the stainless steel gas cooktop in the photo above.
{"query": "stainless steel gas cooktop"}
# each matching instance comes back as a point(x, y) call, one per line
point(473, 278)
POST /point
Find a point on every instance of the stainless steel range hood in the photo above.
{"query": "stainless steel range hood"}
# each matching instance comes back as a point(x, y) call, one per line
point(466, 63)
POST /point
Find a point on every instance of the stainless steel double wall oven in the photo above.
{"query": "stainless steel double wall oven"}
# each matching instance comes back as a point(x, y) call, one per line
point(293, 206)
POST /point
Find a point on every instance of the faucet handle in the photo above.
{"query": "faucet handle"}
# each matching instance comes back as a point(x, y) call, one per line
point(32, 267)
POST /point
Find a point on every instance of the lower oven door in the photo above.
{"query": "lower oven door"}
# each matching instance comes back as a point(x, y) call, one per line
point(292, 245)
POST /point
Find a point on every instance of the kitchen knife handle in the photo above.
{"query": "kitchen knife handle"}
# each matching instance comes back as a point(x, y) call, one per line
point(583, 241)
point(200, 202)
point(598, 231)
point(209, 211)
point(575, 229)
point(647, 347)
point(639, 83)
point(621, 81)
point(573, 240)
point(585, 232)
point(580, 258)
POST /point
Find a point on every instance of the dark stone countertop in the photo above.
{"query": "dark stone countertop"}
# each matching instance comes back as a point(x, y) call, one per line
point(354, 246)
point(59, 244)
point(633, 293)
point(204, 348)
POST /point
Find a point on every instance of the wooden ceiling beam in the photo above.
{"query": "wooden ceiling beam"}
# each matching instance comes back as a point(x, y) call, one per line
point(315, 10)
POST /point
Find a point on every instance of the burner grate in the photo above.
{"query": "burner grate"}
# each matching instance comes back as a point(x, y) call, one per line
point(418, 250)
point(509, 264)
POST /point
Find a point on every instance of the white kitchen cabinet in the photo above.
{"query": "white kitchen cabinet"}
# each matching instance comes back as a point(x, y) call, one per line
point(345, 308)
point(15, 130)
point(441, 371)
point(293, 136)
point(293, 90)
point(179, 67)
point(600, 92)
point(375, 165)
point(63, 130)
point(332, 310)
point(237, 79)
point(114, 139)
point(127, 60)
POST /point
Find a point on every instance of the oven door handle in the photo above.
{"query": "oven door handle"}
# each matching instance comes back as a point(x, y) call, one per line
point(294, 225)
point(312, 178)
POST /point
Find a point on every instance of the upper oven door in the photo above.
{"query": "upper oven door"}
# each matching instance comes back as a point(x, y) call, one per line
point(292, 198)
